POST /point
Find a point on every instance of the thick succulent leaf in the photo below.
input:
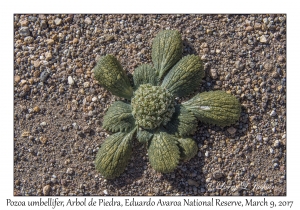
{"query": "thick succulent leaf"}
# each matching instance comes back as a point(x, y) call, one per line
point(118, 117)
point(166, 50)
point(182, 122)
point(114, 154)
point(163, 152)
point(110, 74)
point(215, 107)
point(185, 76)
point(144, 136)
point(145, 74)
point(188, 148)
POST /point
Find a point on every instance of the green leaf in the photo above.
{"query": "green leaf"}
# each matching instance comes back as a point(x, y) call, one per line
point(145, 74)
point(118, 117)
point(188, 148)
point(110, 74)
point(114, 154)
point(182, 122)
point(215, 107)
point(144, 136)
point(166, 50)
point(163, 152)
point(185, 76)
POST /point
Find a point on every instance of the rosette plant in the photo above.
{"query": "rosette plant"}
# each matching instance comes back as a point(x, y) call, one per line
point(152, 111)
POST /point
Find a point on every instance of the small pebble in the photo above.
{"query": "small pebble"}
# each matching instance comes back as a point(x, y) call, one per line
point(48, 56)
point(86, 129)
point(86, 84)
point(231, 130)
point(213, 73)
point(280, 58)
point(217, 174)
point(249, 28)
point(88, 21)
point(24, 31)
point(199, 154)
point(70, 80)
point(17, 78)
point(259, 137)
point(24, 23)
point(193, 183)
point(263, 39)
point(50, 41)
point(257, 26)
point(273, 113)
point(25, 134)
point(265, 20)
point(239, 65)
point(46, 190)
point(44, 76)
point(75, 41)
point(28, 39)
point(276, 143)
point(57, 21)
point(70, 171)
point(43, 139)
point(36, 73)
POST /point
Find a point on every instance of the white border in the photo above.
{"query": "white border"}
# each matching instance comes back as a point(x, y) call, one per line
point(141, 7)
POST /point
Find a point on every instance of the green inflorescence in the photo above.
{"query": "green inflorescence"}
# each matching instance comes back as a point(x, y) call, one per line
point(152, 106)
point(151, 112)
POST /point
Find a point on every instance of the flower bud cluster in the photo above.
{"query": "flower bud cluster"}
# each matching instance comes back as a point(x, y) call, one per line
point(152, 106)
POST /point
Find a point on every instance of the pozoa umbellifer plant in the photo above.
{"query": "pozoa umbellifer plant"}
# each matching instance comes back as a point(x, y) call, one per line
point(151, 111)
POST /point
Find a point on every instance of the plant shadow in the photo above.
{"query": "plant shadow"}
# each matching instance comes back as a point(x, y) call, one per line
point(188, 48)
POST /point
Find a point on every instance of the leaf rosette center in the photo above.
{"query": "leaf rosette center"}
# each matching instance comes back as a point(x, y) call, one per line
point(152, 106)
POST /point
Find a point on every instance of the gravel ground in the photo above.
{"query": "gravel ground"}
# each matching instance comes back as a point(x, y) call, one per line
point(59, 107)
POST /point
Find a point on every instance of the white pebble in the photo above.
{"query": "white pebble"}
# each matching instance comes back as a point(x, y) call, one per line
point(265, 20)
point(69, 171)
point(86, 84)
point(105, 192)
point(94, 99)
point(273, 113)
point(281, 19)
point(206, 153)
point(263, 39)
point(43, 124)
point(70, 80)
point(259, 137)
point(276, 143)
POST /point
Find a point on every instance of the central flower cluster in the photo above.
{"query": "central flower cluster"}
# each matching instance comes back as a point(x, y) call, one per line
point(152, 106)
